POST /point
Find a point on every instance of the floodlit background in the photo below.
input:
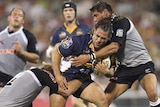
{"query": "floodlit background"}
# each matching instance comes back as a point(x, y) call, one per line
point(43, 17)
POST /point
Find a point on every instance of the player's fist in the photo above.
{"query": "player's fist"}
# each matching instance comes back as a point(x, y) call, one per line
point(17, 47)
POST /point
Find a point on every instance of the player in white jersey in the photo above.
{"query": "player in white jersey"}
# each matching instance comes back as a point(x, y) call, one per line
point(23, 88)
point(17, 46)
point(134, 61)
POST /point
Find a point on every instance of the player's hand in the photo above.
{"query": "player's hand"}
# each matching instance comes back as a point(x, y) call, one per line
point(101, 67)
point(17, 47)
point(62, 82)
point(80, 60)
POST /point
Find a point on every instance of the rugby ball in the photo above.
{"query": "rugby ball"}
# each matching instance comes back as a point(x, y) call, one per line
point(107, 61)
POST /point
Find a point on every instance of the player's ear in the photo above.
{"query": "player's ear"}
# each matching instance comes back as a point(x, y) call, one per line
point(106, 13)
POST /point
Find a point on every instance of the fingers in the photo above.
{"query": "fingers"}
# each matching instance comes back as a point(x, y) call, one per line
point(63, 84)
point(75, 62)
point(17, 47)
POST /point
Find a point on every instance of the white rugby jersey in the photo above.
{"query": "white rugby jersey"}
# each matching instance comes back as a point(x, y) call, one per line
point(10, 63)
point(132, 51)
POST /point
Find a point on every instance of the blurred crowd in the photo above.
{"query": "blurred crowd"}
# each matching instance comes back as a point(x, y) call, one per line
point(43, 17)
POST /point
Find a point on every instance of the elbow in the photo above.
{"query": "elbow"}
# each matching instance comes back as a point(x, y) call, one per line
point(115, 47)
point(36, 60)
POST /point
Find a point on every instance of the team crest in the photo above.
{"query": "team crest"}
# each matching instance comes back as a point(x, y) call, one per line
point(79, 32)
point(62, 35)
point(119, 33)
point(67, 43)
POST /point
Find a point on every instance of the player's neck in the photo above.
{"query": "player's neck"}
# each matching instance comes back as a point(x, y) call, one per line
point(13, 29)
point(71, 23)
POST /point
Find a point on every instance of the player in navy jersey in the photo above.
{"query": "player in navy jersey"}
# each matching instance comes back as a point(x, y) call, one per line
point(71, 27)
point(23, 94)
point(128, 46)
point(17, 46)
point(75, 46)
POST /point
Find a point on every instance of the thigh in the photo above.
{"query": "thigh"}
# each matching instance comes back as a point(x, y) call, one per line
point(114, 90)
point(149, 83)
point(72, 87)
point(93, 93)
point(57, 100)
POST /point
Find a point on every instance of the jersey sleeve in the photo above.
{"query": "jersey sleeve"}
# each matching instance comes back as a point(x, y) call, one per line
point(67, 47)
point(32, 42)
point(120, 28)
point(55, 38)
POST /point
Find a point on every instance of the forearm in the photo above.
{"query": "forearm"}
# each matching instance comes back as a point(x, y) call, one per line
point(56, 60)
point(31, 57)
point(107, 50)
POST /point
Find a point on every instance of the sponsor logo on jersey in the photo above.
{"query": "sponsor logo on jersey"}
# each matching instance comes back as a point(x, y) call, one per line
point(62, 35)
point(7, 51)
point(67, 43)
point(119, 33)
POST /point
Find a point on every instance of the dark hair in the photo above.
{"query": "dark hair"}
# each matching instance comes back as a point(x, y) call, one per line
point(100, 6)
point(104, 24)
point(19, 9)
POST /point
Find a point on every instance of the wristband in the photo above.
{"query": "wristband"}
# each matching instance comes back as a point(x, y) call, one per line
point(92, 57)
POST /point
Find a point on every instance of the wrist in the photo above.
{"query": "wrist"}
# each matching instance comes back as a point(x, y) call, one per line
point(92, 57)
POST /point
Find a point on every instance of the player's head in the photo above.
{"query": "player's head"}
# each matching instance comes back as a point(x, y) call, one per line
point(69, 10)
point(101, 10)
point(16, 17)
point(101, 33)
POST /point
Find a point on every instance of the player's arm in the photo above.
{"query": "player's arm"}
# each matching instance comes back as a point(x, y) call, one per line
point(31, 54)
point(102, 53)
point(56, 60)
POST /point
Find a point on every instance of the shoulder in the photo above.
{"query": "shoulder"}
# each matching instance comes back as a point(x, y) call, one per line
point(58, 30)
point(120, 19)
point(82, 38)
point(83, 25)
point(121, 22)
point(28, 34)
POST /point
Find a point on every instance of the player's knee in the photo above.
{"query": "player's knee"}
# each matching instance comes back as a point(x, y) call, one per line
point(152, 95)
point(109, 99)
point(65, 92)
point(101, 100)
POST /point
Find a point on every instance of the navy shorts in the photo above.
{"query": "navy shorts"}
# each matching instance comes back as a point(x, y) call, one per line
point(84, 78)
point(4, 78)
point(127, 75)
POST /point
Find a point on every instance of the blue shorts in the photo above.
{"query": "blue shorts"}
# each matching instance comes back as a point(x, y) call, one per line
point(84, 78)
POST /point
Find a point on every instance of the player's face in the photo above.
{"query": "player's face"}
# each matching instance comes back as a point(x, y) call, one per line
point(99, 38)
point(69, 14)
point(16, 19)
point(97, 16)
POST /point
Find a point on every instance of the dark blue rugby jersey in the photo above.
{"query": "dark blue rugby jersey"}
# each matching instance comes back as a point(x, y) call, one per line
point(75, 46)
point(62, 32)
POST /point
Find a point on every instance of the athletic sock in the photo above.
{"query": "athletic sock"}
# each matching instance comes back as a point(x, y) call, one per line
point(155, 104)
